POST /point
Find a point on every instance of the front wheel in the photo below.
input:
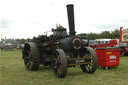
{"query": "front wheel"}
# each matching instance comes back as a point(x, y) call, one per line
point(91, 67)
point(59, 63)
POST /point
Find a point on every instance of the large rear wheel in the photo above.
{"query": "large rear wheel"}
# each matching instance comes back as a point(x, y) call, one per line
point(59, 63)
point(122, 51)
point(91, 67)
point(31, 56)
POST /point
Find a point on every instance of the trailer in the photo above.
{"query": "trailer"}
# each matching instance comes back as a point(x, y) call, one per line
point(123, 41)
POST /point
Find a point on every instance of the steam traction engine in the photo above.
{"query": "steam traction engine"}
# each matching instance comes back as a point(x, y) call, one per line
point(60, 50)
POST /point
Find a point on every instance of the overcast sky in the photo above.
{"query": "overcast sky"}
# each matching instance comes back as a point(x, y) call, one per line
point(28, 18)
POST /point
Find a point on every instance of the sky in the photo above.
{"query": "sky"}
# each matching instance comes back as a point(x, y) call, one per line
point(28, 18)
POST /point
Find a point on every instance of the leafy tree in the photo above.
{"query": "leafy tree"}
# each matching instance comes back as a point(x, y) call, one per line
point(115, 33)
point(105, 34)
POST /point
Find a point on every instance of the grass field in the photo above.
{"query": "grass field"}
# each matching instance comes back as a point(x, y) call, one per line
point(12, 72)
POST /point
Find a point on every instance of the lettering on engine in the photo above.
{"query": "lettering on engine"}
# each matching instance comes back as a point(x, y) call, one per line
point(80, 61)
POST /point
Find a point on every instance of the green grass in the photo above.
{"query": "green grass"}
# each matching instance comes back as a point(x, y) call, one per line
point(12, 72)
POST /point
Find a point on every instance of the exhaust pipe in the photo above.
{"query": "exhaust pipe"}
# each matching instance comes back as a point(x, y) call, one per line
point(70, 11)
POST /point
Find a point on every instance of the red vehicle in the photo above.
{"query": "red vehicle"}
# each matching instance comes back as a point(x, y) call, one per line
point(123, 41)
point(111, 43)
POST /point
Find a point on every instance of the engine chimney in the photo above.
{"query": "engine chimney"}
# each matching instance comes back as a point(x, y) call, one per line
point(70, 11)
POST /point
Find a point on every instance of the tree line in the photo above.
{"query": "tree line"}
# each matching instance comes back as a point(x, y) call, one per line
point(105, 34)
